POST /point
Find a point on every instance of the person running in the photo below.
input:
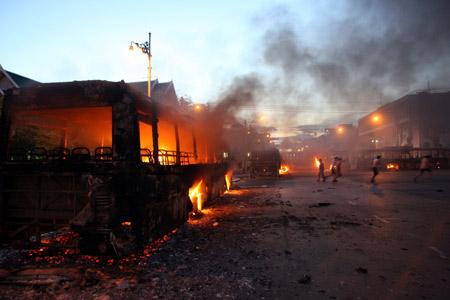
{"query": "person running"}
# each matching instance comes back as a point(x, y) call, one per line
point(321, 171)
point(424, 167)
point(376, 163)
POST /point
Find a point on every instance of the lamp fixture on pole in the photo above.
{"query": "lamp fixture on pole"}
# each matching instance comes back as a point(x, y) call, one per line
point(146, 48)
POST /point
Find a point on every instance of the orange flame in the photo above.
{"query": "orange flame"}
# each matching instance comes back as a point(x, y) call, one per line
point(283, 170)
point(195, 195)
point(228, 179)
point(392, 167)
point(316, 162)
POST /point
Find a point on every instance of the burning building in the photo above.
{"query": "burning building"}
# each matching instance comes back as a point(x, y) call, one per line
point(102, 158)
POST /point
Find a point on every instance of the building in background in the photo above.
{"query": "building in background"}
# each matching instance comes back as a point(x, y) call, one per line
point(163, 92)
point(12, 80)
point(417, 120)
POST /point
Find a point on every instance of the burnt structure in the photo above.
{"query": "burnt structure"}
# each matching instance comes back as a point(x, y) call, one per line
point(265, 163)
point(101, 158)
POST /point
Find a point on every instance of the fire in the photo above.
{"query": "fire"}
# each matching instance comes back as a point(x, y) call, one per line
point(316, 162)
point(392, 167)
point(195, 194)
point(125, 223)
point(284, 169)
point(228, 179)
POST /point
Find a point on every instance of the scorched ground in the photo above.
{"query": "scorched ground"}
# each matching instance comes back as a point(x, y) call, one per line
point(291, 238)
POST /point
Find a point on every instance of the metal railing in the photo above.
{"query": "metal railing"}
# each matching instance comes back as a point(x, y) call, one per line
point(165, 157)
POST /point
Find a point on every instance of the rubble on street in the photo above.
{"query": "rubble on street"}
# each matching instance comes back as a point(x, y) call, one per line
point(267, 239)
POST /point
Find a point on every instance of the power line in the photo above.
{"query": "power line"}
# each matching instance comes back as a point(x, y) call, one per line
point(318, 110)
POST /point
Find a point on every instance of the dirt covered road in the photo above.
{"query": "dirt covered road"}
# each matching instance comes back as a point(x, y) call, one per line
point(291, 238)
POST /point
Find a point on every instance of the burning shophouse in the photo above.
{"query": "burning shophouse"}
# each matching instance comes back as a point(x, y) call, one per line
point(103, 159)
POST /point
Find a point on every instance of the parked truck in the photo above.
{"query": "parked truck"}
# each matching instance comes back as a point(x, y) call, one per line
point(265, 162)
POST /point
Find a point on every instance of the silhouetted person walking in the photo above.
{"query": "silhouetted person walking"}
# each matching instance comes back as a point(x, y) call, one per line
point(321, 171)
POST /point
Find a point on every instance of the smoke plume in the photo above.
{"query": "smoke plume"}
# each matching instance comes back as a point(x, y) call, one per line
point(362, 54)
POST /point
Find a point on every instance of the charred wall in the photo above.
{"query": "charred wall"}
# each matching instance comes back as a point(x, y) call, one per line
point(116, 202)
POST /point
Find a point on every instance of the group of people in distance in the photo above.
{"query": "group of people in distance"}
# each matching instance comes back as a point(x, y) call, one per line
point(376, 163)
point(335, 169)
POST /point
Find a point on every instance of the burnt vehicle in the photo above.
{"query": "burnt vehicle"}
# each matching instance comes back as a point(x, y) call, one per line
point(103, 160)
point(265, 162)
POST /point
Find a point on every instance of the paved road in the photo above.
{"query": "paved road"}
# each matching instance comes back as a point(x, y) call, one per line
point(389, 240)
point(291, 238)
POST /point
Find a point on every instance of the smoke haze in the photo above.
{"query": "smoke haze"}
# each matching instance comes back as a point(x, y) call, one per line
point(362, 54)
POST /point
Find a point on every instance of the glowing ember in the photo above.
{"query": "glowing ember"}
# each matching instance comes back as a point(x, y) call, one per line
point(283, 170)
point(125, 223)
point(392, 167)
point(316, 162)
point(195, 194)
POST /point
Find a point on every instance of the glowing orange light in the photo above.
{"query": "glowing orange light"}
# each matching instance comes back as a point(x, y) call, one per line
point(195, 195)
point(197, 107)
point(317, 162)
point(125, 223)
point(228, 179)
point(340, 129)
point(392, 167)
point(283, 170)
point(376, 118)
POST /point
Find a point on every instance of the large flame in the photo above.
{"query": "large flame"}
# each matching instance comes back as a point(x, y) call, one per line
point(283, 170)
point(195, 194)
point(316, 161)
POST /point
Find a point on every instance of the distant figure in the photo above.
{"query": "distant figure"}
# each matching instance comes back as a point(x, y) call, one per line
point(333, 165)
point(337, 172)
point(321, 171)
point(424, 166)
point(375, 164)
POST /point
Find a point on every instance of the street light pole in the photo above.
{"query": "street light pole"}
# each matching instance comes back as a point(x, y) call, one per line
point(146, 48)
